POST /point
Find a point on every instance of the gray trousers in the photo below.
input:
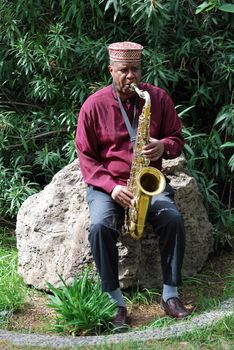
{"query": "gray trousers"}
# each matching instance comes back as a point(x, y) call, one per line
point(107, 219)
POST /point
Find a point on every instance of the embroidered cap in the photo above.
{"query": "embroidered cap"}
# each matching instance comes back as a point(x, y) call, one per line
point(125, 51)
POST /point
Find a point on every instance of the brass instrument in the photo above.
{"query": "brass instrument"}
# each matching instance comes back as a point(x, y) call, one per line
point(144, 181)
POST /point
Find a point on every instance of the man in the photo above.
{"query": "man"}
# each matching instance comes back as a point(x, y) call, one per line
point(106, 128)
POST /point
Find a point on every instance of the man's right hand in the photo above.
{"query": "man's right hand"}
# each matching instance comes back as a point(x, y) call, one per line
point(122, 196)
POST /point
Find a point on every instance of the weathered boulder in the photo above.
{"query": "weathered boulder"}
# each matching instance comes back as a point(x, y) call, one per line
point(52, 232)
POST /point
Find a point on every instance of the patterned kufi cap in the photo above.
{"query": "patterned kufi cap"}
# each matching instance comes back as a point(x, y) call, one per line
point(125, 51)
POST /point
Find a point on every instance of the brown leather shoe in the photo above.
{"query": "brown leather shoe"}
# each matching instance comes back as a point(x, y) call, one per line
point(120, 319)
point(174, 308)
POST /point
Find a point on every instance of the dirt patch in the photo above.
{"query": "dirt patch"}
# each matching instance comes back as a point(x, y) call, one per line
point(36, 316)
point(141, 315)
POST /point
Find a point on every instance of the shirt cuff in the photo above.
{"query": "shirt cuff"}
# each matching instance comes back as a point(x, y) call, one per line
point(167, 149)
point(109, 186)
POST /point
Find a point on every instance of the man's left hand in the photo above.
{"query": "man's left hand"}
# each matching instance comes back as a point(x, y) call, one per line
point(153, 150)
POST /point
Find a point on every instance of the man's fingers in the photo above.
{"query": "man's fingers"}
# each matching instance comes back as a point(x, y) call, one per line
point(127, 193)
point(122, 196)
point(125, 199)
point(153, 150)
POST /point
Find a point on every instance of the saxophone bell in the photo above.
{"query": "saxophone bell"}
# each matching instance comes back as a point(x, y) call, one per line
point(150, 182)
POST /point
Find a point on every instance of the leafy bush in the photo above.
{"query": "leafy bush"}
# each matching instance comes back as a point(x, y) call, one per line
point(82, 308)
point(54, 53)
point(14, 187)
point(209, 164)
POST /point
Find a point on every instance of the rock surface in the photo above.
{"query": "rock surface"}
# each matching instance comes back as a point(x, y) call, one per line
point(52, 232)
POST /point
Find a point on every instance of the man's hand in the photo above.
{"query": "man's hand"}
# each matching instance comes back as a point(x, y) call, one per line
point(153, 150)
point(122, 196)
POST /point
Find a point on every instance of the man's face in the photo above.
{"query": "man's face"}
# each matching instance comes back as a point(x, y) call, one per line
point(124, 74)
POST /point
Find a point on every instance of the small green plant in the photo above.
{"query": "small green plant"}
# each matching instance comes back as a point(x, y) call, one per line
point(81, 306)
point(141, 296)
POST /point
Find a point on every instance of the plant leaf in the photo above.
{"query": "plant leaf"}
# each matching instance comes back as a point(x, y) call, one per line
point(227, 144)
point(202, 7)
point(226, 8)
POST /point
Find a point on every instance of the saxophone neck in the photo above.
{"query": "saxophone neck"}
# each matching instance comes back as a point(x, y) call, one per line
point(142, 93)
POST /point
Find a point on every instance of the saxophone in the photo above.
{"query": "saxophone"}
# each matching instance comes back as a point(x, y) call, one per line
point(144, 181)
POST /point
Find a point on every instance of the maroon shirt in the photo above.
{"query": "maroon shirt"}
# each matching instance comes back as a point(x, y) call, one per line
point(103, 142)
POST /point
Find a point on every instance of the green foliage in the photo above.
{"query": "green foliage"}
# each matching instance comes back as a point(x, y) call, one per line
point(53, 54)
point(213, 337)
point(14, 187)
point(82, 308)
point(210, 160)
point(141, 296)
point(215, 5)
point(229, 290)
point(160, 322)
point(12, 288)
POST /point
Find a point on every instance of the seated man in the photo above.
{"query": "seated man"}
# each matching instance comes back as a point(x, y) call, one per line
point(107, 126)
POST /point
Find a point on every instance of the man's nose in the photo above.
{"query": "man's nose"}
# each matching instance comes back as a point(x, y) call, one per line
point(130, 74)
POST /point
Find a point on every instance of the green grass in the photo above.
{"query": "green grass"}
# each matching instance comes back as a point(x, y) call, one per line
point(219, 336)
point(212, 336)
point(212, 288)
point(143, 296)
point(229, 282)
point(13, 291)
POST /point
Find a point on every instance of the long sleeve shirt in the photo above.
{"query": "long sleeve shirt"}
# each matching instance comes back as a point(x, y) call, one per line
point(103, 142)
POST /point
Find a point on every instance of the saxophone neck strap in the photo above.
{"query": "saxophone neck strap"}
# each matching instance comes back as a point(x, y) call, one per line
point(132, 129)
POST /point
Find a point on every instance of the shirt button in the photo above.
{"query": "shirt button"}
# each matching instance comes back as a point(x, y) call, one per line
point(168, 152)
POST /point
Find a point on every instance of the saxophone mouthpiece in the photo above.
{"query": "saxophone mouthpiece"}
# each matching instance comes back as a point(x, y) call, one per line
point(133, 86)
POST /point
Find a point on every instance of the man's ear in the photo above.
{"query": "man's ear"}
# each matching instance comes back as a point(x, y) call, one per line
point(110, 68)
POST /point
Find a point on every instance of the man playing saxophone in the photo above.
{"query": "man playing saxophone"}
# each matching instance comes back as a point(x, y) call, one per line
point(105, 138)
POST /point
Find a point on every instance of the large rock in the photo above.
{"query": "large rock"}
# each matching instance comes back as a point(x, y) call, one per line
point(52, 232)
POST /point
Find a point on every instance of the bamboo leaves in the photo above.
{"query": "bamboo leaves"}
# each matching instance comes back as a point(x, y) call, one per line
point(213, 5)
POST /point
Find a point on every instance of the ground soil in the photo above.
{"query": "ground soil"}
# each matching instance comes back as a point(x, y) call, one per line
point(36, 316)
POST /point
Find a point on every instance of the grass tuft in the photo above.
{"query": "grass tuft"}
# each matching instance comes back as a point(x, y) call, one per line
point(82, 308)
point(141, 296)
